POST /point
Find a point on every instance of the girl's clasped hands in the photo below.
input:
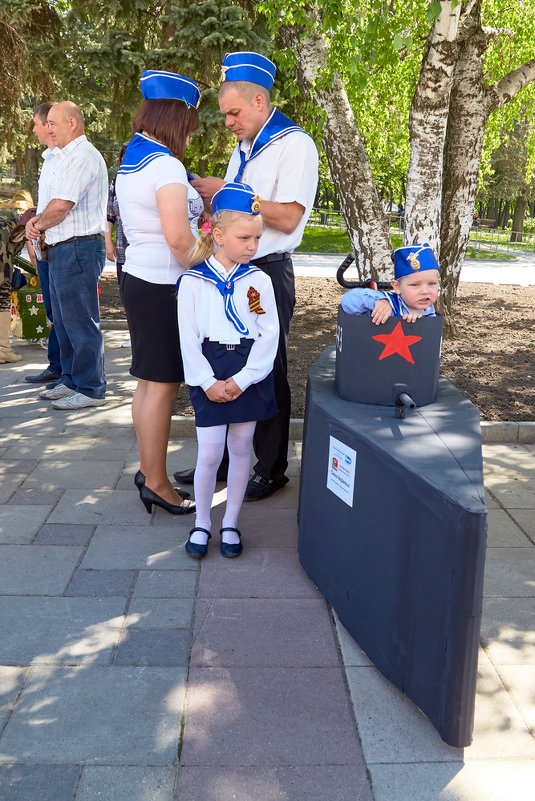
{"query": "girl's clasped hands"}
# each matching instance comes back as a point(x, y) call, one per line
point(223, 391)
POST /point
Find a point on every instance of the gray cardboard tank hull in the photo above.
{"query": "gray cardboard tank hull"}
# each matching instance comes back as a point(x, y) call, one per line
point(364, 376)
point(392, 530)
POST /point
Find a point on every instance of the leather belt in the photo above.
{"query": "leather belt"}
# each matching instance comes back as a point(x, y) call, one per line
point(76, 239)
point(271, 257)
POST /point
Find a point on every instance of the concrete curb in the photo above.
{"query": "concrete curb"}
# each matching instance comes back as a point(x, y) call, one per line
point(491, 432)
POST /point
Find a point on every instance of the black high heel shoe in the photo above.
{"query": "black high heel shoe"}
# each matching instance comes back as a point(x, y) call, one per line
point(150, 499)
point(139, 481)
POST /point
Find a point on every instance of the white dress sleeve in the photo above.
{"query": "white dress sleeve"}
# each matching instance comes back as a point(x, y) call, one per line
point(197, 369)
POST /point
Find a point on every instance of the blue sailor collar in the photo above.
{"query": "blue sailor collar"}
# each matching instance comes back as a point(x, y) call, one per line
point(275, 127)
point(225, 286)
point(399, 307)
point(141, 151)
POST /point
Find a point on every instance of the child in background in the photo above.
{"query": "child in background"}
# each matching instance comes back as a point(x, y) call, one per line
point(416, 284)
point(229, 330)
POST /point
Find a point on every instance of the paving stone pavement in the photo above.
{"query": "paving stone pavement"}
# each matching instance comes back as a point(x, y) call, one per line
point(130, 672)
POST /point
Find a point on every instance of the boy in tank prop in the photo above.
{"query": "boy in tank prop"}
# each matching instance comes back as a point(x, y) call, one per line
point(405, 576)
point(416, 284)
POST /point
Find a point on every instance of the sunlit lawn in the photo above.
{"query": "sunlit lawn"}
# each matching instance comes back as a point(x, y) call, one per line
point(336, 240)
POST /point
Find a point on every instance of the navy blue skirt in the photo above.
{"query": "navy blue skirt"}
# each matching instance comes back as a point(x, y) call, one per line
point(256, 403)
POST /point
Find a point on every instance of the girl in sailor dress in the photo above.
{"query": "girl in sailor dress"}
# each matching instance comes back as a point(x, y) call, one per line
point(229, 331)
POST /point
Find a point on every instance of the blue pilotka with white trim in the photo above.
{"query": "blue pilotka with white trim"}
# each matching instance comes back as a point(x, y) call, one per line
point(157, 85)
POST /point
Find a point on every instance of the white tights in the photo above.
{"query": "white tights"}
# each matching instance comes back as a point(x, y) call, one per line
point(211, 443)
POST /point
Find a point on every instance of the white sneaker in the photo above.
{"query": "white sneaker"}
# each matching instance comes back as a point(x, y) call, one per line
point(77, 401)
point(126, 344)
point(59, 391)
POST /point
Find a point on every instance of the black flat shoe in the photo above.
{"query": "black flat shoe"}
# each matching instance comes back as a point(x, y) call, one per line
point(150, 499)
point(139, 481)
point(184, 476)
point(226, 548)
point(194, 549)
point(259, 487)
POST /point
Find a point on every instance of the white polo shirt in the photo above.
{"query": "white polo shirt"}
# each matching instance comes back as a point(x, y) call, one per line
point(78, 173)
point(286, 171)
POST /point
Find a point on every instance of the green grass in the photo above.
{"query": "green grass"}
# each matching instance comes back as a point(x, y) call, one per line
point(335, 240)
point(324, 240)
point(489, 255)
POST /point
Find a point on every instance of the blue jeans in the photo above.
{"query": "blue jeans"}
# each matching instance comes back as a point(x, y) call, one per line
point(74, 270)
point(53, 344)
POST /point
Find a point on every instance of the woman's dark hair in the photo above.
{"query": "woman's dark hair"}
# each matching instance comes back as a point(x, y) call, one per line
point(168, 121)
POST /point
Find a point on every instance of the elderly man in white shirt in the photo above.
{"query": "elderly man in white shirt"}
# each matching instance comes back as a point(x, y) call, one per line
point(72, 225)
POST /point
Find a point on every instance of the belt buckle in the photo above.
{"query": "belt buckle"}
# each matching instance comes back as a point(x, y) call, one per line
point(231, 347)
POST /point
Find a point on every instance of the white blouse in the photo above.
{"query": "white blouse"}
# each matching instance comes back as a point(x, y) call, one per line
point(201, 315)
point(148, 256)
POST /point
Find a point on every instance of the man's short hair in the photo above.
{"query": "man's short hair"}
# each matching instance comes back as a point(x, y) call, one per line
point(245, 89)
point(42, 110)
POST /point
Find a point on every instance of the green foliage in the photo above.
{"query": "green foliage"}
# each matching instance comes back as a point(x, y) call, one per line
point(28, 28)
point(93, 52)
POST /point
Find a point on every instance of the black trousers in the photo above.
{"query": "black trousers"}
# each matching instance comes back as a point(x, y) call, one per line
point(271, 436)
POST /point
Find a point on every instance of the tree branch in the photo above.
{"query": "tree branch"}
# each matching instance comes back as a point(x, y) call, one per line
point(508, 86)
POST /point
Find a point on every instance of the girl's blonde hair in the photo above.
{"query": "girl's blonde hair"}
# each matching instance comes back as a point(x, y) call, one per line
point(205, 247)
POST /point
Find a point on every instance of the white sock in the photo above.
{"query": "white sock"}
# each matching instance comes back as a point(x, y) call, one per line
point(239, 444)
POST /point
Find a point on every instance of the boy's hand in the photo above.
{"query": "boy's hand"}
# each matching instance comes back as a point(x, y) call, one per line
point(217, 392)
point(381, 311)
point(232, 389)
point(411, 318)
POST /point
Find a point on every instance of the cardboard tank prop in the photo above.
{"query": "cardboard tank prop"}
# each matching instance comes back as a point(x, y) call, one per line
point(392, 518)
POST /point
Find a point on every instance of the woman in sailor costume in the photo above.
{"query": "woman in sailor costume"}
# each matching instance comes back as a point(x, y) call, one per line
point(159, 210)
point(229, 332)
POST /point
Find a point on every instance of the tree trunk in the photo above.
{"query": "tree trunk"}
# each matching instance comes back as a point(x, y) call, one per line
point(427, 126)
point(348, 162)
point(518, 217)
point(501, 222)
point(468, 115)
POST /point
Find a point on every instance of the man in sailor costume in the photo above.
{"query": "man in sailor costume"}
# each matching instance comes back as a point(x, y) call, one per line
point(280, 161)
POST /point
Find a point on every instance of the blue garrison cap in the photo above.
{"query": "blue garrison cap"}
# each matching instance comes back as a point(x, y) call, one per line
point(248, 66)
point(160, 85)
point(413, 258)
point(236, 197)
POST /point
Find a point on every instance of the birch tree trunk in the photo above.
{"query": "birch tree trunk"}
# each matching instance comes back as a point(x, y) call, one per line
point(348, 162)
point(469, 111)
point(471, 104)
point(427, 127)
